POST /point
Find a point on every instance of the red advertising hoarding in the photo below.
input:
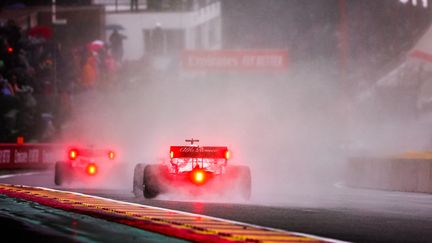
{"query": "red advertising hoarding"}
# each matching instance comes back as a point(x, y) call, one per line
point(235, 59)
point(29, 156)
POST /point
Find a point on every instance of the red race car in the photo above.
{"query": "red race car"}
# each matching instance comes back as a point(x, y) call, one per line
point(84, 163)
point(195, 170)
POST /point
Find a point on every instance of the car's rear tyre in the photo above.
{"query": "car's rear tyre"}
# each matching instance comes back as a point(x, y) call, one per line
point(150, 192)
point(60, 172)
point(151, 182)
point(138, 183)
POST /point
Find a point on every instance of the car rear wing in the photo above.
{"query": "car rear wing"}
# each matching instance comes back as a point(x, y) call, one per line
point(73, 153)
point(199, 152)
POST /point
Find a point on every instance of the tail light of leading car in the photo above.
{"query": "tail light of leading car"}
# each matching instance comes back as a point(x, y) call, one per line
point(227, 155)
point(73, 154)
point(91, 169)
point(111, 155)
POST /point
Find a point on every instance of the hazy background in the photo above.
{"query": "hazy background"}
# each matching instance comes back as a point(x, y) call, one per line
point(293, 127)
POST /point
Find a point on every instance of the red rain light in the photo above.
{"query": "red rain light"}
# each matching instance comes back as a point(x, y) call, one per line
point(73, 154)
point(91, 169)
point(10, 50)
point(111, 155)
point(198, 176)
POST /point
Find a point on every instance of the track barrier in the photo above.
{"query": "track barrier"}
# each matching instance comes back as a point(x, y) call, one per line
point(409, 172)
point(29, 156)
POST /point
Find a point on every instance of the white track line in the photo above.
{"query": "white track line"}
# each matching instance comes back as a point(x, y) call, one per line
point(19, 174)
point(340, 185)
point(196, 215)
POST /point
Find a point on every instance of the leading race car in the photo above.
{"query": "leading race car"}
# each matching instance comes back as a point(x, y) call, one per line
point(195, 170)
point(83, 163)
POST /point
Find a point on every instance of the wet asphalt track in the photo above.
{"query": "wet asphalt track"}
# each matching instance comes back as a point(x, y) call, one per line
point(340, 213)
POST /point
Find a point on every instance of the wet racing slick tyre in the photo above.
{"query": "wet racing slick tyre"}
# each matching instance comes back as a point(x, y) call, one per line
point(60, 173)
point(138, 183)
point(243, 180)
point(151, 182)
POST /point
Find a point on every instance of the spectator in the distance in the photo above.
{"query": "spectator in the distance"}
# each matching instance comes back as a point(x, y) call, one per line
point(116, 41)
point(13, 33)
point(134, 5)
point(89, 74)
point(6, 89)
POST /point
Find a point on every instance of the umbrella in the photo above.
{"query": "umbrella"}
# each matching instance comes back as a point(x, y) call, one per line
point(114, 27)
point(96, 45)
point(41, 31)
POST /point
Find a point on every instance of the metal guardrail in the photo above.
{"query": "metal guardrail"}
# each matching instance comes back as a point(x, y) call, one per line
point(118, 2)
point(154, 5)
point(121, 5)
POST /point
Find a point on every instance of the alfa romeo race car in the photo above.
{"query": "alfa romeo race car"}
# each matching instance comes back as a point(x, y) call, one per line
point(83, 163)
point(194, 170)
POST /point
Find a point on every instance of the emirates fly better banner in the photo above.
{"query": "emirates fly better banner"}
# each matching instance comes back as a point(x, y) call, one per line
point(235, 59)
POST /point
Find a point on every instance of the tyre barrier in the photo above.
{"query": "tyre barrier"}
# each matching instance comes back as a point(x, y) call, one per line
point(409, 172)
point(29, 156)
